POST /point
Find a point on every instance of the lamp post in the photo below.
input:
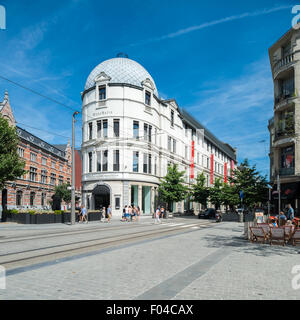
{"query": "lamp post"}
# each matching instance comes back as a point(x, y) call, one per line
point(73, 171)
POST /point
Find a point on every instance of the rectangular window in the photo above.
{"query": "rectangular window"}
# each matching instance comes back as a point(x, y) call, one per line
point(186, 152)
point(174, 145)
point(104, 163)
point(21, 152)
point(33, 157)
point(105, 127)
point(145, 131)
point(102, 93)
point(136, 130)
point(99, 126)
point(117, 203)
point(135, 161)
point(90, 131)
point(145, 167)
point(53, 179)
point(61, 167)
point(60, 180)
point(99, 161)
point(169, 144)
point(150, 134)
point(44, 161)
point(44, 176)
point(90, 161)
point(116, 128)
point(116, 160)
point(148, 98)
point(155, 166)
point(32, 174)
point(172, 118)
point(150, 164)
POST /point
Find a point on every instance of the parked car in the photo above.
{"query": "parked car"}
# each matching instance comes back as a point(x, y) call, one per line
point(209, 213)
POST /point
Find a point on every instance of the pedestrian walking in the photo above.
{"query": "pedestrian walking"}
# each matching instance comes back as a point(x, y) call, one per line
point(130, 213)
point(127, 217)
point(103, 214)
point(109, 213)
point(162, 210)
point(157, 214)
point(134, 213)
point(290, 213)
point(138, 213)
point(84, 214)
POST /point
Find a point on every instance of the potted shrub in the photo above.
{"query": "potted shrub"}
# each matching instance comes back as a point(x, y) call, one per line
point(58, 216)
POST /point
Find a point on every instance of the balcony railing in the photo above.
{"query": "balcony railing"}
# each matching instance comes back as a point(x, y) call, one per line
point(283, 62)
point(279, 133)
point(286, 171)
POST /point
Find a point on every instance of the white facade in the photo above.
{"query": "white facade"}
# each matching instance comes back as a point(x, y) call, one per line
point(123, 116)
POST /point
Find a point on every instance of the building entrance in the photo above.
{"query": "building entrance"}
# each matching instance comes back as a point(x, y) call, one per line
point(101, 195)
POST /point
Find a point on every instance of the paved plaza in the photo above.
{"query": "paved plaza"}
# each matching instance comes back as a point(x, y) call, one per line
point(211, 261)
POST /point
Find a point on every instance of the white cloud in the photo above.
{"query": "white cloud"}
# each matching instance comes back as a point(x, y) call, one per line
point(213, 23)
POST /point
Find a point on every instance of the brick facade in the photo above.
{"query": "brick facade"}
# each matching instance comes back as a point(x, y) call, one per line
point(46, 166)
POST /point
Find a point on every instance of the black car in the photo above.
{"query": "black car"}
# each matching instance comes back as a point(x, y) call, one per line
point(207, 214)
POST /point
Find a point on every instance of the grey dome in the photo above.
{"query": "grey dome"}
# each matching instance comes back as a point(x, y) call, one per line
point(121, 70)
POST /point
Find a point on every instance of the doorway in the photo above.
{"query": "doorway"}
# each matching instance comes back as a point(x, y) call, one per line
point(101, 195)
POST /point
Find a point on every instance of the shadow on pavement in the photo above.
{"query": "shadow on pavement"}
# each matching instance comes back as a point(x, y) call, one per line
point(258, 249)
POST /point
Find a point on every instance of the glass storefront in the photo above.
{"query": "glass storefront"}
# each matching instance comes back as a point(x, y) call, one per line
point(134, 195)
point(146, 200)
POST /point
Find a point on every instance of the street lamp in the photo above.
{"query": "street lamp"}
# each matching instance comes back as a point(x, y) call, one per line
point(73, 171)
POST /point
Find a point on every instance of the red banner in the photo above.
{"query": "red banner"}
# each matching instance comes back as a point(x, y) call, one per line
point(225, 172)
point(193, 160)
point(212, 169)
point(232, 168)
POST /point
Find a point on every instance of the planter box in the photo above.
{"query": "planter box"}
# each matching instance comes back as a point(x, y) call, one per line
point(58, 218)
point(23, 218)
point(94, 216)
point(66, 217)
point(42, 218)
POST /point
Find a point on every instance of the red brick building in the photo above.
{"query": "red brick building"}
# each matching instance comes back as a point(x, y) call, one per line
point(46, 165)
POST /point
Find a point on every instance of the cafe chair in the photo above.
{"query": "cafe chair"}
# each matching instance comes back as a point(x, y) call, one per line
point(258, 233)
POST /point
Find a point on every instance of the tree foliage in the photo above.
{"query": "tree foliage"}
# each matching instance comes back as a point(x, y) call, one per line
point(172, 187)
point(63, 193)
point(11, 166)
point(200, 192)
point(254, 186)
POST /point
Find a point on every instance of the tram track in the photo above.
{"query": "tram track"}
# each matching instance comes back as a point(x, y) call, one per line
point(66, 233)
point(38, 255)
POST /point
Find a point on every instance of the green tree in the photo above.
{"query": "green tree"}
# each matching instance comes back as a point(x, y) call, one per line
point(200, 192)
point(172, 187)
point(253, 185)
point(63, 193)
point(215, 193)
point(229, 196)
point(11, 166)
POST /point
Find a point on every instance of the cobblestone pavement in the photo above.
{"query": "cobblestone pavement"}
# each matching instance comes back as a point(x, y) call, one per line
point(198, 263)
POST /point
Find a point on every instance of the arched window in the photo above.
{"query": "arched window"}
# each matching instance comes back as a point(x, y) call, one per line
point(43, 199)
point(32, 196)
point(19, 198)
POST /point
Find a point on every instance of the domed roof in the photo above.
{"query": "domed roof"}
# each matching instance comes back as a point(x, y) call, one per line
point(121, 70)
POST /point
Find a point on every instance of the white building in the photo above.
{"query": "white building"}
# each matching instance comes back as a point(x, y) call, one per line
point(130, 135)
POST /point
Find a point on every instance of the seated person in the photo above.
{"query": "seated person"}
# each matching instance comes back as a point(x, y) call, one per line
point(282, 218)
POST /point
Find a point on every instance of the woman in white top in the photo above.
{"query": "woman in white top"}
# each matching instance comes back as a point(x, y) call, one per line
point(157, 214)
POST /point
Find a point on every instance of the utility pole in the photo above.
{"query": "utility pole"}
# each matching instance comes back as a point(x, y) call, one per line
point(73, 171)
point(278, 189)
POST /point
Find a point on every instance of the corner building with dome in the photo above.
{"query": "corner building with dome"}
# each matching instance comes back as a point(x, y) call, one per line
point(130, 135)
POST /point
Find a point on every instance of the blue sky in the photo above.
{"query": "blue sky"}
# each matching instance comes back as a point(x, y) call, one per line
point(211, 56)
